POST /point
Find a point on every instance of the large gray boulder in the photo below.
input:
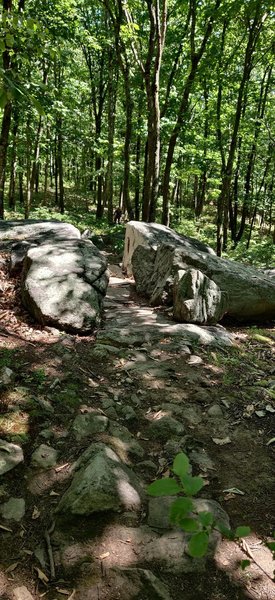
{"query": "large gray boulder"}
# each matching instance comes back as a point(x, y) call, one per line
point(201, 286)
point(153, 235)
point(64, 283)
point(102, 482)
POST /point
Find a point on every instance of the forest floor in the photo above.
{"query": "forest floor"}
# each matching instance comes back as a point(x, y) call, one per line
point(57, 376)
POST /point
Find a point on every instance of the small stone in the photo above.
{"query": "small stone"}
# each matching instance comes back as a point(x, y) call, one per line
point(201, 458)
point(47, 434)
point(126, 440)
point(44, 457)
point(192, 414)
point(147, 466)
point(173, 447)
point(22, 593)
point(88, 424)
point(128, 413)
point(194, 360)
point(215, 411)
point(162, 429)
point(10, 456)
point(111, 413)
point(107, 403)
point(6, 376)
point(14, 509)
point(135, 400)
point(159, 511)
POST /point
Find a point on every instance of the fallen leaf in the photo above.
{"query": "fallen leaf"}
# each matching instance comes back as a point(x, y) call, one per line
point(260, 413)
point(222, 441)
point(63, 591)
point(42, 576)
point(270, 408)
point(35, 513)
point(5, 528)
point(105, 555)
point(12, 567)
point(54, 493)
point(234, 490)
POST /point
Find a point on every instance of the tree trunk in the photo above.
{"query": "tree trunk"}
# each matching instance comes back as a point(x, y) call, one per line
point(223, 200)
point(11, 197)
point(59, 160)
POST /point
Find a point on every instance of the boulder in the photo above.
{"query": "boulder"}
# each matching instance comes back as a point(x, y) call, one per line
point(101, 483)
point(36, 231)
point(153, 235)
point(203, 286)
point(204, 299)
point(64, 283)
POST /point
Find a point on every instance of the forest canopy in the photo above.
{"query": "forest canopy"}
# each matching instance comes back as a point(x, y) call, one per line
point(159, 106)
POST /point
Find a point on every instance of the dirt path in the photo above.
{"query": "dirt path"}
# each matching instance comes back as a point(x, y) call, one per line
point(135, 377)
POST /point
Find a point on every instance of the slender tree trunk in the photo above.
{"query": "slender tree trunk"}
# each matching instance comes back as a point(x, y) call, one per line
point(112, 94)
point(27, 203)
point(11, 197)
point(59, 160)
point(196, 56)
point(223, 200)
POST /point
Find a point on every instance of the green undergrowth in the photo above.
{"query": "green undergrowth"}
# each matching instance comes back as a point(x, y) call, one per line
point(82, 214)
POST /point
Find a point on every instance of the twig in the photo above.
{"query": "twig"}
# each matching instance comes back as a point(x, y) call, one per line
point(89, 373)
point(72, 595)
point(50, 551)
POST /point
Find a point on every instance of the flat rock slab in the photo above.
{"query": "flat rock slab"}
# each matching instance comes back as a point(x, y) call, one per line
point(64, 284)
point(130, 324)
point(39, 231)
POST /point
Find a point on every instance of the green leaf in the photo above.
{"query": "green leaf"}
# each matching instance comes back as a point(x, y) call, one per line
point(164, 487)
point(190, 525)
point(191, 485)
point(271, 546)
point(198, 544)
point(225, 531)
point(2, 46)
point(37, 105)
point(180, 508)
point(9, 40)
point(244, 564)
point(242, 531)
point(181, 465)
point(206, 518)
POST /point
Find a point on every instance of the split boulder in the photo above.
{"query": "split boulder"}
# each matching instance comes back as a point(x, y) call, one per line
point(201, 286)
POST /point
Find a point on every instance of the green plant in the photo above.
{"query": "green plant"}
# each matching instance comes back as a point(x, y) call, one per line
point(183, 511)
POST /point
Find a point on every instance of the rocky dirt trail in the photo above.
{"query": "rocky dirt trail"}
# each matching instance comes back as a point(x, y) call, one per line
point(145, 388)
